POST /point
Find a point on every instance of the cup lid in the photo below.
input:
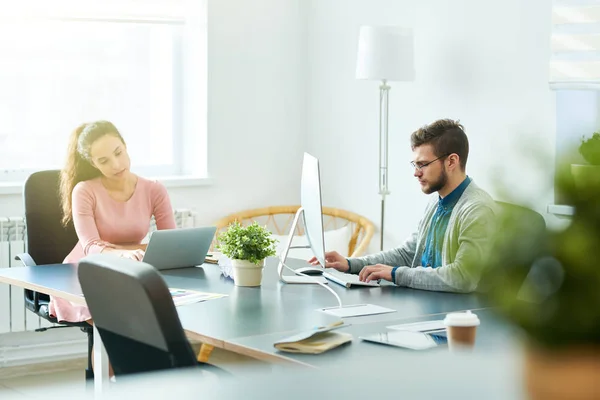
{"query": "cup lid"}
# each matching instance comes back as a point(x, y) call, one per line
point(461, 319)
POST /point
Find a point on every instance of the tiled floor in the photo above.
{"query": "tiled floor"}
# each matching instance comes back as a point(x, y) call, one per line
point(65, 379)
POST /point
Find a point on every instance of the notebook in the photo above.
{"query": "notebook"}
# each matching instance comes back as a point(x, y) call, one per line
point(315, 341)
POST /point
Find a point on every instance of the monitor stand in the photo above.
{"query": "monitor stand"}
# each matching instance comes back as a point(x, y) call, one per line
point(341, 311)
point(282, 259)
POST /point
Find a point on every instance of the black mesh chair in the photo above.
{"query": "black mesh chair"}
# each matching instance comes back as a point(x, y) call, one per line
point(135, 315)
point(48, 242)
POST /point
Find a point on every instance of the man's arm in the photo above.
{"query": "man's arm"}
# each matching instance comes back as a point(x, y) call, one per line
point(462, 275)
point(402, 255)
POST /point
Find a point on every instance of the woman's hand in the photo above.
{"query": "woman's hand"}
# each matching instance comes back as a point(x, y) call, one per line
point(131, 252)
point(137, 254)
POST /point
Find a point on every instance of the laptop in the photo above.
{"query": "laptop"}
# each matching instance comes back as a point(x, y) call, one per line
point(179, 248)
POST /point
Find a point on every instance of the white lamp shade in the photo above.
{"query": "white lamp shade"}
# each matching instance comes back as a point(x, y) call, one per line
point(385, 53)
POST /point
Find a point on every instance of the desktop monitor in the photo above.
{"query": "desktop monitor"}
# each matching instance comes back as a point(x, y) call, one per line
point(311, 213)
point(311, 203)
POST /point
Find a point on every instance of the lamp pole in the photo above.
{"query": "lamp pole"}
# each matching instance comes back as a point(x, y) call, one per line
point(384, 91)
point(385, 54)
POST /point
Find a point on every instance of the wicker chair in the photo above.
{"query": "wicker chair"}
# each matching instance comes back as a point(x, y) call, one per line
point(279, 219)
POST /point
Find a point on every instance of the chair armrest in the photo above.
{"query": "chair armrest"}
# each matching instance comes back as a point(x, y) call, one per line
point(26, 259)
point(32, 298)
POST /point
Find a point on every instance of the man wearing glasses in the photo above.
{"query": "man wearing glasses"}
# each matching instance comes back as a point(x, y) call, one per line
point(447, 250)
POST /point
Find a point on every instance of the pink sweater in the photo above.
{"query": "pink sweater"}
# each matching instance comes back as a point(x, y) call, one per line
point(97, 216)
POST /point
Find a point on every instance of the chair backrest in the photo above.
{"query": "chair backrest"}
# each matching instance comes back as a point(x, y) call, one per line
point(526, 224)
point(520, 240)
point(48, 241)
point(133, 310)
point(279, 220)
point(524, 219)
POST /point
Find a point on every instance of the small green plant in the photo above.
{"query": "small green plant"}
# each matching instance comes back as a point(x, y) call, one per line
point(590, 149)
point(253, 242)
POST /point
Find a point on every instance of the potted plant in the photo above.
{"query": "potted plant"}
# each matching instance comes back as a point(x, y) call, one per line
point(590, 151)
point(547, 282)
point(247, 247)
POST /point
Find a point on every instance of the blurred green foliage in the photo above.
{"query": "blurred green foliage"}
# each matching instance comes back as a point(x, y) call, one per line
point(545, 281)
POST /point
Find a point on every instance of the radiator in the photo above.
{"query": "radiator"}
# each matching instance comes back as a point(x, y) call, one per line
point(13, 315)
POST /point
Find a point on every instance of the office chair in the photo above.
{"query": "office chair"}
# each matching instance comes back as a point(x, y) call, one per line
point(48, 242)
point(519, 242)
point(527, 224)
point(135, 315)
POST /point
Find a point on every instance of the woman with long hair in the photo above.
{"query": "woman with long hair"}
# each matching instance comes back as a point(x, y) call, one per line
point(111, 207)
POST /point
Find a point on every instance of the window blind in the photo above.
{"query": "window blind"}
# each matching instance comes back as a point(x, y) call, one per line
point(575, 60)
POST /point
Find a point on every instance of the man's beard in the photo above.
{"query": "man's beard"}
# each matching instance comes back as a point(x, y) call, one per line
point(437, 184)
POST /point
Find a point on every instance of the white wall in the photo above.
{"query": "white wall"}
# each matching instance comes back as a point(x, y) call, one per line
point(281, 80)
point(256, 109)
point(483, 62)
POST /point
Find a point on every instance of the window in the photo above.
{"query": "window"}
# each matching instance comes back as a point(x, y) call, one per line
point(575, 62)
point(575, 77)
point(61, 68)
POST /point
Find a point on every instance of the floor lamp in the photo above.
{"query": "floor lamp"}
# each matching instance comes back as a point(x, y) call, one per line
point(385, 53)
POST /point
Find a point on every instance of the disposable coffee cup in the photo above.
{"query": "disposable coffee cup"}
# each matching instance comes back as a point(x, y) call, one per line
point(461, 330)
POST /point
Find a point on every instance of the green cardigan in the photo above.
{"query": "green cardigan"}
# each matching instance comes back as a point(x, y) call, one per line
point(466, 243)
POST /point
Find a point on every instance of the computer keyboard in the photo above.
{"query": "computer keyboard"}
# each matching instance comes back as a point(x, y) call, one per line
point(347, 279)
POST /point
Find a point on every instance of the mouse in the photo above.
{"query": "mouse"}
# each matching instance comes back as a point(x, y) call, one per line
point(310, 270)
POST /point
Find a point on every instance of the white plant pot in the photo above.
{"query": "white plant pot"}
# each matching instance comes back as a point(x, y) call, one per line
point(246, 273)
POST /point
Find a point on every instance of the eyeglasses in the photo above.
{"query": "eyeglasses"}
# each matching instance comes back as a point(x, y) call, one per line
point(420, 165)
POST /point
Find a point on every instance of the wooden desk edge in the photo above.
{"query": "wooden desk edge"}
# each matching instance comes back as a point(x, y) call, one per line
point(194, 336)
point(267, 357)
point(43, 289)
point(243, 350)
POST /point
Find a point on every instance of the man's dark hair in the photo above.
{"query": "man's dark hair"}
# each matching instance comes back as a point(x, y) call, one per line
point(446, 136)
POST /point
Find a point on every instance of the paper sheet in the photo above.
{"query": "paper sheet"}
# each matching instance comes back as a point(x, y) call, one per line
point(356, 310)
point(182, 296)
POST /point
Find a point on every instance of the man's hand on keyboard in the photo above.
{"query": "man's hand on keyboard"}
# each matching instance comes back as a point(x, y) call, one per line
point(333, 259)
point(375, 272)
